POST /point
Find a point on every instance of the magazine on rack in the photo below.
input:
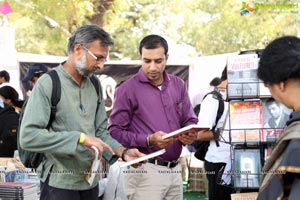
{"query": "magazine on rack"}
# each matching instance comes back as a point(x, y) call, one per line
point(275, 116)
point(247, 168)
point(146, 157)
point(245, 121)
point(242, 78)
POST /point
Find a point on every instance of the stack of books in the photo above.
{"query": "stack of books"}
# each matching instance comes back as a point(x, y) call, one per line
point(14, 190)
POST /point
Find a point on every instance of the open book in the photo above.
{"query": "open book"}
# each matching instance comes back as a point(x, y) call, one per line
point(146, 157)
point(186, 129)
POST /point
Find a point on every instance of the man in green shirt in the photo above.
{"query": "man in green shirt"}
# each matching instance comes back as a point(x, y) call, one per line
point(79, 124)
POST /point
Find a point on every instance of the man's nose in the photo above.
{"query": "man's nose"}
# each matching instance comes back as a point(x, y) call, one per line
point(100, 65)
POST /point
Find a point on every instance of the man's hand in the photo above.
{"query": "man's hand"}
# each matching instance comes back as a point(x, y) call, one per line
point(130, 154)
point(90, 141)
point(133, 154)
point(187, 138)
point(156, 140)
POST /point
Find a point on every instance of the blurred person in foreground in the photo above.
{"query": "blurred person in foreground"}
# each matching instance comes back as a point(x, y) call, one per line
point(147, 106)
point(279, 69)
point(80, 121)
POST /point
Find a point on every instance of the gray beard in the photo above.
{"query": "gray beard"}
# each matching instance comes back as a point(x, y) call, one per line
point(80, 66)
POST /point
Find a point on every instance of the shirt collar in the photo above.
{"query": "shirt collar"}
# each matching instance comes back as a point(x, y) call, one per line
point(143, 78)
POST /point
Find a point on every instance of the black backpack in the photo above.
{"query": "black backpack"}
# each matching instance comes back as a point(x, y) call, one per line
point(9, 121)
point(33, 159)
point(201, 147)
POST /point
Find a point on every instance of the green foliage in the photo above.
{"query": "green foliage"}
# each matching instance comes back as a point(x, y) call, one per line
point(207, 27)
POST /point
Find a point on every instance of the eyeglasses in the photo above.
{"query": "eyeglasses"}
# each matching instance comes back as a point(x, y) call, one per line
point(98, 59)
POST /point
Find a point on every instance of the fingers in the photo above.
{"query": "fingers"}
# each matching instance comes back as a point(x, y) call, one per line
point(106, 146)
point(98, 143)
point(156, 139)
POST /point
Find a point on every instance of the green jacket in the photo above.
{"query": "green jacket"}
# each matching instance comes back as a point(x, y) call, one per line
point(67, 161)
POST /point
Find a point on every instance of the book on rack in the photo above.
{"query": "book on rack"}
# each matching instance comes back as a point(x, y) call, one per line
point(244, 122)
point(14, 190)
point(247, 168)
point(275, 116)
point(264, 92)
point(242, 76)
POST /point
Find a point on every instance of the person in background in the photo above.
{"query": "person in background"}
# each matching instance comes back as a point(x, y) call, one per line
point(35, 71)
point(11, 97)
point(217, 158)
point(4, 78)
point(10, 107)
point(279, 69)
point(197, 99)
point(147, 106)
point(80, 122)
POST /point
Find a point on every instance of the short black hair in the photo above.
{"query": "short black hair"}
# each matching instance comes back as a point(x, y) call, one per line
point(5, 74)
point(224, 74)
point(280, 60)
point(215, 81)
point(153, 42)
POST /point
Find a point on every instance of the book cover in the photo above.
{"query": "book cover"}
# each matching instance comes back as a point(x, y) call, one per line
point(95, 167)
point(247, 168)
point(242, 76)
point(245, 121)
point(244, 196)
point(264, 92)
point(275, 116)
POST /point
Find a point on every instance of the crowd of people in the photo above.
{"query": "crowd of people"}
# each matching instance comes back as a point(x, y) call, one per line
point(146, 107)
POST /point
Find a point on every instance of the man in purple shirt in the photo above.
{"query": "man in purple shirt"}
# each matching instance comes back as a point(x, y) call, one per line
point(147, 106)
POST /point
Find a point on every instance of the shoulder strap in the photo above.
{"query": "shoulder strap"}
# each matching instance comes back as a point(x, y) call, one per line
point(218, 96)
point(55, 96)
point(95, 82)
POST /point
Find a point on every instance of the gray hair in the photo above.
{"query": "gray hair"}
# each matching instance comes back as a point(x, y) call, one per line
point(86, 34)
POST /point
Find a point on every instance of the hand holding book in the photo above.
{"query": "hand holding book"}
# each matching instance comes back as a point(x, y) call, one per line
point(187, 130)
point(132, 154)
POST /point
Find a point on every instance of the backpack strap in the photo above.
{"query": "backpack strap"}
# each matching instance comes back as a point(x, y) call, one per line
point(95, 82)
point(218, 96)
point(55, 96)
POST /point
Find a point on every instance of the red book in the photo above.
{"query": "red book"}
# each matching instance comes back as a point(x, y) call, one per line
point(246, 121)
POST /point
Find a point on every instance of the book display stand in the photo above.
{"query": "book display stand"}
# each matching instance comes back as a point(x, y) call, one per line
point(254, 121)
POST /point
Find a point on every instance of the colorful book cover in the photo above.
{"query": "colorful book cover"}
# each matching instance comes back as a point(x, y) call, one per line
point(242, 76)
point(246, 121)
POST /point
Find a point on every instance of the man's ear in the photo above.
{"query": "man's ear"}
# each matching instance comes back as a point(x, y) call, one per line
point(77, 49)
point(167, 56)
point(282, 86)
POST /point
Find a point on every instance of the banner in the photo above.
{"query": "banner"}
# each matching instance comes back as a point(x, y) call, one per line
point(110, 77)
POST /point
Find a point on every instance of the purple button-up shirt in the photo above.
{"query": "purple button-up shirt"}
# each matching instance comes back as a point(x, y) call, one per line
point(141, 109)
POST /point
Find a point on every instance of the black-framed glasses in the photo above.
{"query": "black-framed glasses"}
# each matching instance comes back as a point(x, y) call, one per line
point(98, 59)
